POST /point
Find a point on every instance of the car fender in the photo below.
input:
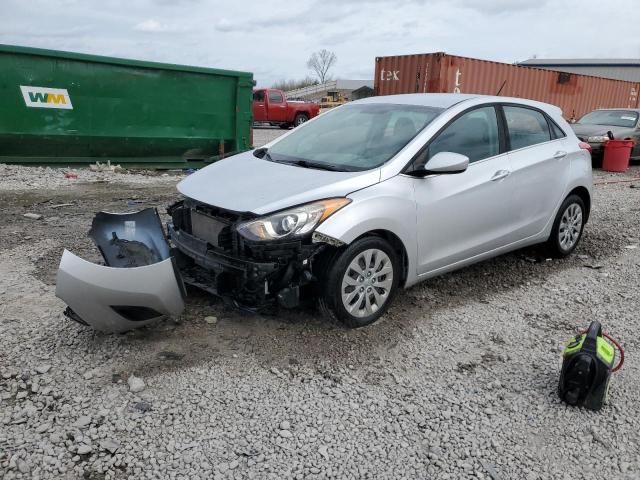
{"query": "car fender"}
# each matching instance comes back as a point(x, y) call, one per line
point(388, 206)
point(580, 175)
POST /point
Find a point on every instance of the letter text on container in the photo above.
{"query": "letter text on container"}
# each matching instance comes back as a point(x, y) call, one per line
point(43, 97)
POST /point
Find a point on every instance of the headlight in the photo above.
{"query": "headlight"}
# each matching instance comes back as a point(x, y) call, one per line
point(294, 222)
point(598, 139)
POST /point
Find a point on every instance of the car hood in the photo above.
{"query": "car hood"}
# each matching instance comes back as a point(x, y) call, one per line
point(244, 183)
point(591, 130)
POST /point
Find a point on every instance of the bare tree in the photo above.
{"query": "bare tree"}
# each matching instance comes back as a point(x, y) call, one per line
point(320, 62)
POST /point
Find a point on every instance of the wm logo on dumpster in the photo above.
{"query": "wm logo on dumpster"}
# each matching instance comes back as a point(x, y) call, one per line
point(43, 97)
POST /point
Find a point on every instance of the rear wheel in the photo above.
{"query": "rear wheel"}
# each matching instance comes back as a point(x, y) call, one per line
point(300, 119)
point(567, 227)
point(361, 282)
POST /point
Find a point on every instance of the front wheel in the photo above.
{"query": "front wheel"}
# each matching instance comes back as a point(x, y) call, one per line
point(300, 119)
point(360, 282)
point(567, 227)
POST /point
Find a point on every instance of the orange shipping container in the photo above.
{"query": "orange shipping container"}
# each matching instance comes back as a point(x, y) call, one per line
point(438, 72)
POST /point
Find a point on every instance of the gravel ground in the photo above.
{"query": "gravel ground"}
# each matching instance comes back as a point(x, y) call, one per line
point(18, 178)
point(262, 135)
point(458, 381)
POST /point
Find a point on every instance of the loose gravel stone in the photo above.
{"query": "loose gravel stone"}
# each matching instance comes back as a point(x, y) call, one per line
point(323, 450)
point(83, 421)
point(285, 425)
point(136, 384)
point(84, 449)
point(143, 406)
point(23, 467)
point(43, 427)
point(110, 445)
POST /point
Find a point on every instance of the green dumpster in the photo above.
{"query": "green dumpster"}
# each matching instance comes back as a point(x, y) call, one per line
point(60, 108)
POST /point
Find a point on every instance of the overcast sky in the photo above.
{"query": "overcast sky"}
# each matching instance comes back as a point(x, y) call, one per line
point(273, 39)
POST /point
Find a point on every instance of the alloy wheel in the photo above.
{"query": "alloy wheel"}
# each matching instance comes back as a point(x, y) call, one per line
point(570, 226)
point(367, 282)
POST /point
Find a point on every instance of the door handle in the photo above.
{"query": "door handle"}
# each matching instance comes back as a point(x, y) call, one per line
point(500, 174)
point(559, 155)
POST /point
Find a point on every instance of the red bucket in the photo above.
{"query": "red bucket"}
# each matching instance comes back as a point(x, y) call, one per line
point(616, 155)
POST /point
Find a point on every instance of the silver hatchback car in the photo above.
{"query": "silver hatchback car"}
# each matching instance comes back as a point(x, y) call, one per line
point(379, 194)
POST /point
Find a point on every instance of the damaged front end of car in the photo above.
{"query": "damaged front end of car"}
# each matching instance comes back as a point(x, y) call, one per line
point(226, 253)
point(255, 262)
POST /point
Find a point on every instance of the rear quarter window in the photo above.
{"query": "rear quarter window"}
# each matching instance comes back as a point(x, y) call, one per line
point(556, 131)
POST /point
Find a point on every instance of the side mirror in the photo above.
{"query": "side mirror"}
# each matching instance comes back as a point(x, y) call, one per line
point(446, 163)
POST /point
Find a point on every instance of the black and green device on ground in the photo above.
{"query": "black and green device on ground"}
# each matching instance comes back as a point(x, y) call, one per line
point(586, 369)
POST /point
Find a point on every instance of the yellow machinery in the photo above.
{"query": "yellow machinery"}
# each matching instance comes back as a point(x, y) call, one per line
point(333, 99)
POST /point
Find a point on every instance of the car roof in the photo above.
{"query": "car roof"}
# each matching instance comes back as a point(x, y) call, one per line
point(437, 100)
point(448, 100)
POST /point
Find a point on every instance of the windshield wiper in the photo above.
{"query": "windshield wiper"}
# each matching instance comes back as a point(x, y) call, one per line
point(315, 165)
point(264, 153)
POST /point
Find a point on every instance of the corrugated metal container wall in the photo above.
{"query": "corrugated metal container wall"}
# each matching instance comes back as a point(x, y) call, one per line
point(406, 74)
point(439, 72)
point(68, 108)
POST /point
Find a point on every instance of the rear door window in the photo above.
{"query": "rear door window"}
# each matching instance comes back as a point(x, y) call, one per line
point(526, 127)
point(258, 96)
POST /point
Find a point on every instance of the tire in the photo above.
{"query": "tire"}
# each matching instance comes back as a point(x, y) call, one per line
point(300, 119)
point(567, 227)
point(344, 294)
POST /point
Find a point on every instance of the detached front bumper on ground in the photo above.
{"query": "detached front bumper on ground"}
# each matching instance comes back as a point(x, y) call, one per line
point(139, 282)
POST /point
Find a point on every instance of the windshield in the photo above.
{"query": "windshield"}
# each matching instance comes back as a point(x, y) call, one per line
point(353, 137)
point(614, 118)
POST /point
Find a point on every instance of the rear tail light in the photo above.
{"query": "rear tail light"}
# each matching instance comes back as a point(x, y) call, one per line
point(585, 146)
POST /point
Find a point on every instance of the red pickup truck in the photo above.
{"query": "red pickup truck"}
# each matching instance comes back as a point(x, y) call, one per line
point(271, 106)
